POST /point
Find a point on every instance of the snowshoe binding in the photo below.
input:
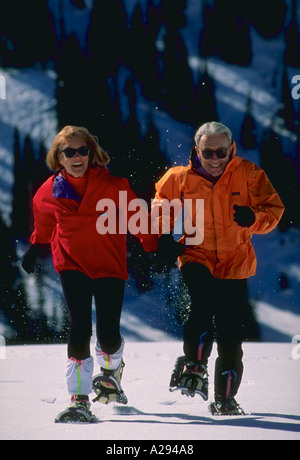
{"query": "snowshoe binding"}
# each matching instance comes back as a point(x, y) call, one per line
point(190, 378)
point(78, 412)
point(107, 386)
point(227, 406)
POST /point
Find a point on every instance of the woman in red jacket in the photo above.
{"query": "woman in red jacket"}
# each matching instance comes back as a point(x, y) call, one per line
point(70, 210)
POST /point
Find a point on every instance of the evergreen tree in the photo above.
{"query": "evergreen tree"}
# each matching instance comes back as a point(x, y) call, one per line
point(226, 32)
point(248, 130)
point(176, 74)
point(19, 216)
point(292, 39)
point(142, 54)
point(79, 4)
point(107, 44)
point(287, 111)
point(204, 105)
point(73, 94)
point(29, 173)
point(127, 163)
point(107, 35)
point(27, 34)
point(282, 172)
point(42, 172)
point(154, 159)
point(268, 21)
point(173, 13)
point(12, 293)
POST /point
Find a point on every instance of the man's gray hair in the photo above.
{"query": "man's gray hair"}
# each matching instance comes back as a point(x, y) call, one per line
point(212, 127)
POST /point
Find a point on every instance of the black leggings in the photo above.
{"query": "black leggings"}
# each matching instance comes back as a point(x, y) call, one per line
point(217, 311)
point(108, 293)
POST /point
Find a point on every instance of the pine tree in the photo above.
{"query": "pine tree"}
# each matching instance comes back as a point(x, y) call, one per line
point(19, 215)
point(128, 161)
point(12, 293)
point(79, 4)
point(176, 73)
point(268, 21)
point(42, 171)
point(204, 105)
point(248, 129)
point(27, 34)
point(30, 177)
point(73, 85)
point(107, 35)
point(292, 39)
point(107, 46)
point(226, 24)
point(142, 54)
point(154, 159)
point(287, 110)
point(282, 172)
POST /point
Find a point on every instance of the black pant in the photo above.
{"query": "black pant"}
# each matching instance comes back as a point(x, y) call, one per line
point(217, 311)
point(108, 293)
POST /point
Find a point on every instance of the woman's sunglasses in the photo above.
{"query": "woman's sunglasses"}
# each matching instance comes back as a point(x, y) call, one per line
point(69, 152)
point(208, 153)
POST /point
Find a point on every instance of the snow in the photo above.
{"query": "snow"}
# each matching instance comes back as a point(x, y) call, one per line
point(32, 381)
point(33, 392)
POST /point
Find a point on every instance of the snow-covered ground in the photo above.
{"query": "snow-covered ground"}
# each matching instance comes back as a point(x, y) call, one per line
point(30, 105)
point(32, 386)
point(33, 392)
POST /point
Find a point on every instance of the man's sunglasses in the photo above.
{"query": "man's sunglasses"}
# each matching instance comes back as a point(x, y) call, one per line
point(208, 153)
point(69, 152)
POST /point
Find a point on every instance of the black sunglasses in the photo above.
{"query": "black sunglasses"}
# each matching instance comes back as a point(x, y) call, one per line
point(208, 153)
point(69, 152)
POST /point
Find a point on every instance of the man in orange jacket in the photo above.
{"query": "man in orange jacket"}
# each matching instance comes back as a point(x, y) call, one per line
point(238, 200)
point(81, 212)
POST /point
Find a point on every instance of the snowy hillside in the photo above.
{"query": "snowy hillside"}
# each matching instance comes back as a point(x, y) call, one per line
point(33, 392)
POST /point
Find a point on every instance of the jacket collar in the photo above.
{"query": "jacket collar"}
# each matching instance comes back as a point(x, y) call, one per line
point(63, 189)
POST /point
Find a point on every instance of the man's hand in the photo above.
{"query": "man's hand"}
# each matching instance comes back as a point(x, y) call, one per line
point(169, 250)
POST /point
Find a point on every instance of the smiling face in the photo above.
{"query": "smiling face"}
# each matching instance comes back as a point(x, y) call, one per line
point(77, 165)
point(216, 142)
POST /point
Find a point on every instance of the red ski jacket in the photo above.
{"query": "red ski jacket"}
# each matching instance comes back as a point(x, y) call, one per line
point(73, 224)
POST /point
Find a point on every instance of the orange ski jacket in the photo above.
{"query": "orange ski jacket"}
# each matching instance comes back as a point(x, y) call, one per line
point(226, 248)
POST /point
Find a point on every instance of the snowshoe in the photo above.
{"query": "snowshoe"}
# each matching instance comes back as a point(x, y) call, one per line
point(78, 412)
point(107, 386)
point(189, 378)
point(181, 361)
point(226, 407)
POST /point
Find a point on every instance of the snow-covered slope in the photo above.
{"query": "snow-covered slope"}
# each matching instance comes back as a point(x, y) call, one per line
point(33, 391)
